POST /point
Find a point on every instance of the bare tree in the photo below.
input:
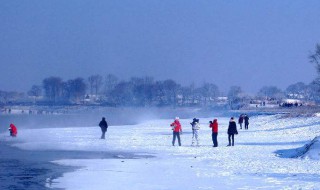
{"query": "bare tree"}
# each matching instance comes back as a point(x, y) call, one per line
point(95, 83)
point(110, 83)
point(75, 89)
point(209, 91)
point(53, 88)
point(297, 90)
point(91, 83)
point(170, 90)
point(35, 91)
point(315, 58)
point(142, 90)
point(314, 90)
point(122, 94)
point(270, 92)
point(234, 96)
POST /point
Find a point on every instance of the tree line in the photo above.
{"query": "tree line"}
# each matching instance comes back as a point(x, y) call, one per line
point(146, 91)
point(137, 91)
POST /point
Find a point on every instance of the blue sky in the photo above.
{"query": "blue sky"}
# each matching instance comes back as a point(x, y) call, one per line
point(246, 43)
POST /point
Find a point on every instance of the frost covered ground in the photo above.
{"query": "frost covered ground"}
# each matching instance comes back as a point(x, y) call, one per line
point(260, 158)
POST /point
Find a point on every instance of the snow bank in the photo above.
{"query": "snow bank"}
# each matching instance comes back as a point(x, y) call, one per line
point(250, 164)
point(312, 150)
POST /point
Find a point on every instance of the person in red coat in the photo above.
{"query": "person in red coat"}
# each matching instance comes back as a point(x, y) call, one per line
point(214, 127)
point(176, 128)
point(13, 130)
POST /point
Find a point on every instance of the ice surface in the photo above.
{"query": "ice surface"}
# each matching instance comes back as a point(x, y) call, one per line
point(253, 163)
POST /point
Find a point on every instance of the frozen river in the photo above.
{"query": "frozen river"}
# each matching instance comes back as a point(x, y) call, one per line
point(140, 156)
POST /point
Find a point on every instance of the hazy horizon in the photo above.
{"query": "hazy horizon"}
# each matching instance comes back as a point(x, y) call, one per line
point(246, 43)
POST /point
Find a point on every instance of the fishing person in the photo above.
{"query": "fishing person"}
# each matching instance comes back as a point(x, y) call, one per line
point(13, 130)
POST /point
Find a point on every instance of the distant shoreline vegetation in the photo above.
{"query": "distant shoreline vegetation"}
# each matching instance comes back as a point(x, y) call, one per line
point(109, 91)
point(147, 92)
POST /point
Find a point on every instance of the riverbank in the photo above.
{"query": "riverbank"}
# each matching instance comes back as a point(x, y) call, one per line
point(21, 169)
point(35, 169)
point(253, 163)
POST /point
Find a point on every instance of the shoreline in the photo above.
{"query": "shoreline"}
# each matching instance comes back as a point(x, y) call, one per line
point(25, 169)
point(21, 169)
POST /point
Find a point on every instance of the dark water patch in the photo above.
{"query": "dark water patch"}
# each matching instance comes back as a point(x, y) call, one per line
point(22, 174)
point(21, 169)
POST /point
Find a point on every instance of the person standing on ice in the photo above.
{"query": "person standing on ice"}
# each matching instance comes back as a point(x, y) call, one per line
point(176, 127)
point(13, 130)
point(240, 120)
point(232, 130)
point(246, 121)
point(214, 127)
point(104, 126)
point(195, 131)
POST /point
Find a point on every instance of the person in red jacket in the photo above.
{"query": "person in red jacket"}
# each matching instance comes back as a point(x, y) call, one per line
point(13, 130)
point(214, 127)
point(176, 127)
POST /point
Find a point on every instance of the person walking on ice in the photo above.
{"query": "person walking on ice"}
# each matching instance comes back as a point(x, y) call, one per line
point(195, 131)
point(176, 128)
point(232, 130)
point(104, 126)
point(246, 121)
point(240, 120)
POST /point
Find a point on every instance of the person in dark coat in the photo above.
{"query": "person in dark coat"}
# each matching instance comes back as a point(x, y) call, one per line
point(232, 130)
point(240, 121)
point(104, 126)
point(246, 122)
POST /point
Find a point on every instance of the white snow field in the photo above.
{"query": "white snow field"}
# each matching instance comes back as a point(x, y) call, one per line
point(259, 159)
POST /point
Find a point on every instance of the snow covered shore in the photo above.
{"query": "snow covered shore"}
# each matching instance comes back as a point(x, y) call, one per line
point(253, 163)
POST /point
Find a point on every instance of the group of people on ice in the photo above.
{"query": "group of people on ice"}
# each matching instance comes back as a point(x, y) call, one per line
point(177, 129)
point(243, 118)
point(232, 130)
